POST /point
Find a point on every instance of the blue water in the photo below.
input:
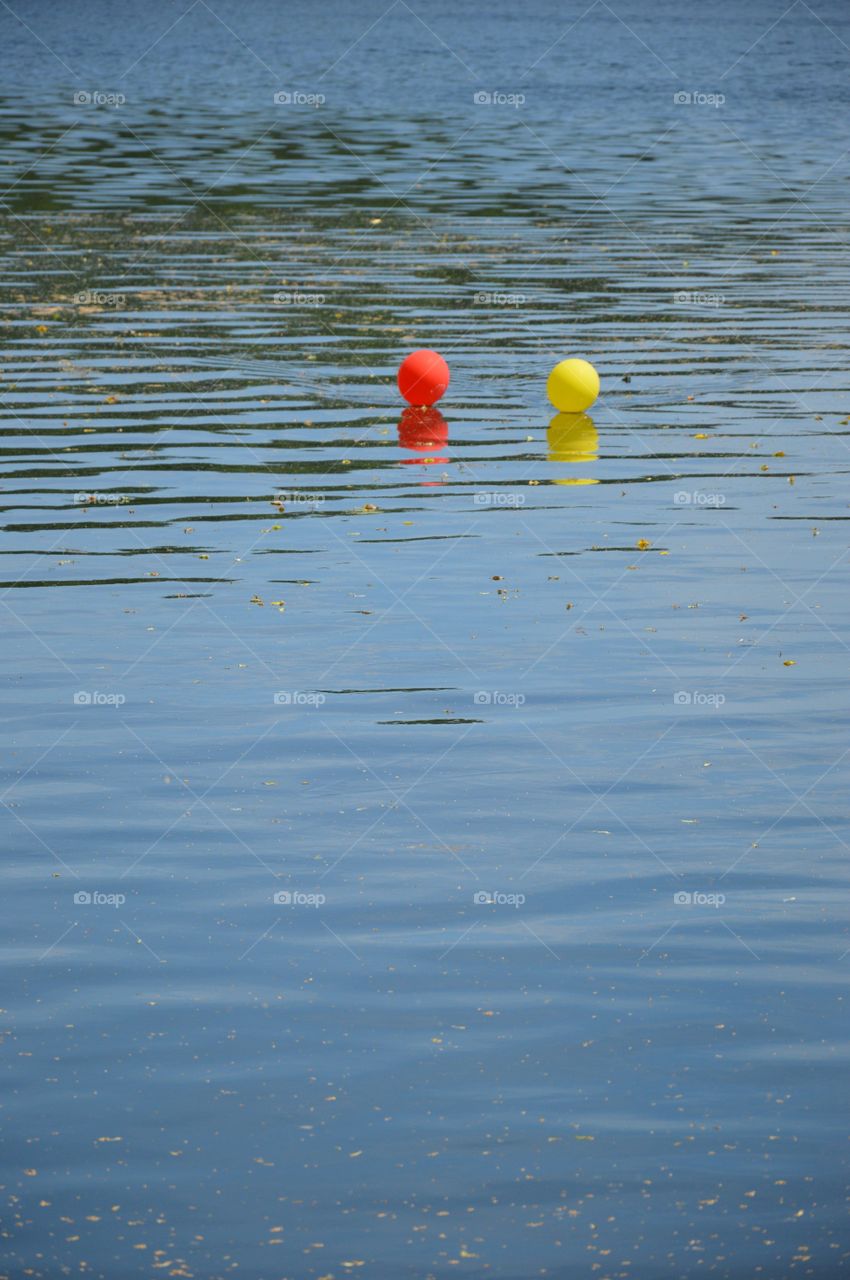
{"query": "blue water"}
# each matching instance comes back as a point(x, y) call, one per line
point(425, 839)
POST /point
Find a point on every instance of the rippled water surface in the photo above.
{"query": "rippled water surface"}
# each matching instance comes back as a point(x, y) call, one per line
point(425, 833)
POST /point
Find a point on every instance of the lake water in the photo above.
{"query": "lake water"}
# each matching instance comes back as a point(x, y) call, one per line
point(425, 837)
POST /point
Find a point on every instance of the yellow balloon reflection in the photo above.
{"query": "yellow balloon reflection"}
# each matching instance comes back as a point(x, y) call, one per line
point(572, 437)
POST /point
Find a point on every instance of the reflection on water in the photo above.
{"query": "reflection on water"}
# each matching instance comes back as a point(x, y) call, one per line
point(423, 430)
point(248, 654)
point(572, 437)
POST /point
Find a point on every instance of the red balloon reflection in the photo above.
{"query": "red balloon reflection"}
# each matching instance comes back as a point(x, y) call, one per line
point(423, 430)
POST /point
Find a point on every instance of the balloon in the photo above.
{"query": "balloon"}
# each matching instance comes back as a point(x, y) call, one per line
point(423, 430)
point(423, 377)
point(572, 386)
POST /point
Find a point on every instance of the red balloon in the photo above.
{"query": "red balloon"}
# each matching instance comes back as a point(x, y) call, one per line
point(423, 377)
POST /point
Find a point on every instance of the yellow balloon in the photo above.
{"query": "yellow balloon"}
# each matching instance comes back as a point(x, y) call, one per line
point(572, 437)
point(572, 386)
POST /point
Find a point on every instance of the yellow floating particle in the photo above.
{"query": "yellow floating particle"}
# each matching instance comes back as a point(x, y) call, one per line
point(789, 662)
point(643, 544)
